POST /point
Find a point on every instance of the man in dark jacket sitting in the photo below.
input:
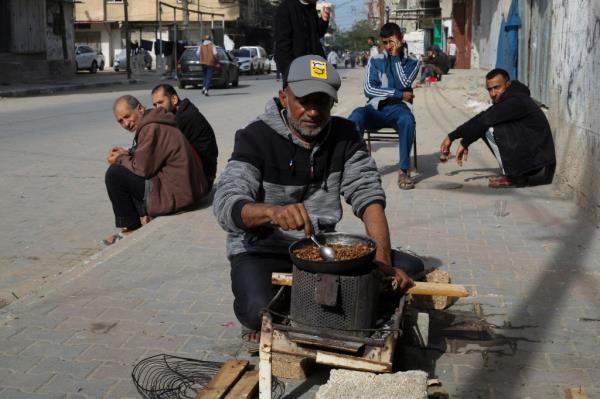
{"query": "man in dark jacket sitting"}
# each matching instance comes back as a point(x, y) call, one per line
point(298, 31)
point(514, 128)
point(192, 124)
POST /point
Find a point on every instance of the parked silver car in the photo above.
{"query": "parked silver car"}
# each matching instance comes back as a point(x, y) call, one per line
point(121, 60)
point(87, 58)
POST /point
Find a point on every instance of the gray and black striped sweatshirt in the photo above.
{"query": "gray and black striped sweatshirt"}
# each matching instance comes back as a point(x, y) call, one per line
point(270, 165)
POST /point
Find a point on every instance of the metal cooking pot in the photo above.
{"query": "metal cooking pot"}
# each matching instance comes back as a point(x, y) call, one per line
point(352, 267)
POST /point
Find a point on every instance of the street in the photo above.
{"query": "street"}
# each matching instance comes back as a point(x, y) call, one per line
point(529, 257)
point(52, 165)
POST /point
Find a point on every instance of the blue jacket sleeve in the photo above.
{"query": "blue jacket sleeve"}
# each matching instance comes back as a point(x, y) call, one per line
point(405, 71)
point(373, 86)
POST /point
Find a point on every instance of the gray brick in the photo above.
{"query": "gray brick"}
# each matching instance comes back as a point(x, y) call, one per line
point(47, 349)
point(12, 347)
point(118, 355)
point(76, 369)
point(124, 389)
point(18, 363)
point(12, 393)
point(67, 384)
point(165, 343)
point(24, 382)
point(569, 361)
point(42, 334)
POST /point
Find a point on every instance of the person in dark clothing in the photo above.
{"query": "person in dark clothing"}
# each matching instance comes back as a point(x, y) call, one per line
point(436, 63)
point(514, 128)
point(192, 124)
point(160, 174)
point(284, 181)
point(298, 30)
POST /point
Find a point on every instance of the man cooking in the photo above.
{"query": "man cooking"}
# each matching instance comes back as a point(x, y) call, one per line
point(284, 181)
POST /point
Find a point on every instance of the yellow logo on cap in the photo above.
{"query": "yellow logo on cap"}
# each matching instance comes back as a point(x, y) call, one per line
point(318, 69)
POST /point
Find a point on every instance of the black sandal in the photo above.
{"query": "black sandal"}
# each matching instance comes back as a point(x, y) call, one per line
point(405, 182)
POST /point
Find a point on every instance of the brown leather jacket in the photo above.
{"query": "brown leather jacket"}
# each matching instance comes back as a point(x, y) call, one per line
point(163, 155)
point(207, 56)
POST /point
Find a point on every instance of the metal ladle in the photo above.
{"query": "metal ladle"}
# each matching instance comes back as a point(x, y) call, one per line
point(327, 253)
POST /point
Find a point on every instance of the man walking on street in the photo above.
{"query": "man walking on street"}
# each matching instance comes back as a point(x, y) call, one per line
point(332, 58)
point(286, 174)
point(192, 124)
point(514, 128)
point(388, 80)
point(207, 54)
point(373, 48)
point(159, 175)
point(298, 31)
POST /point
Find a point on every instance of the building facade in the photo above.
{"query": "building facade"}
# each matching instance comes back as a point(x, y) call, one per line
point(37, 40)
point(100, 23)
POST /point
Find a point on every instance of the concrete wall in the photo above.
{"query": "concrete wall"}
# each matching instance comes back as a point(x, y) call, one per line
point(486, 29)
point(27, 29)
point(575, 97)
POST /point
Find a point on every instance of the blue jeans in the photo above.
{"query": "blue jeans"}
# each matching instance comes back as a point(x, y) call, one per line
point(396, 116)
point(207, 70)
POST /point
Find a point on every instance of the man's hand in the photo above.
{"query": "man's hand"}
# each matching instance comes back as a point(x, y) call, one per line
point(115, 153)
point(291, 217)
point(325, 13)
point(402, 278)
point(461, 155)
point(445, 149)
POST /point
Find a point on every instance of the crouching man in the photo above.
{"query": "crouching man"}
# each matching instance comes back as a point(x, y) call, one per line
point(514, 128)
point(159, 175)
point(284, 181)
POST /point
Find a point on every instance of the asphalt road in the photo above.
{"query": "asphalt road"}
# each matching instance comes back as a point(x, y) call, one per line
point(55, 210)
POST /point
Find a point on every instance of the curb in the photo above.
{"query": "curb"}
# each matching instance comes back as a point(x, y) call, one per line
point(65, 88)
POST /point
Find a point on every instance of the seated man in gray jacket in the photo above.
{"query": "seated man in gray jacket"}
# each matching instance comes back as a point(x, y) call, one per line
point(285, 177)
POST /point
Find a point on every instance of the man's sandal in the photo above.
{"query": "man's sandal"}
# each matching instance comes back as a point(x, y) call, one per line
point(110, 240)
point(508, 181)
point(405, 182)
point(250, 340)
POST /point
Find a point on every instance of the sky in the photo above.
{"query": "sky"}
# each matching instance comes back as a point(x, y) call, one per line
point(347, 12)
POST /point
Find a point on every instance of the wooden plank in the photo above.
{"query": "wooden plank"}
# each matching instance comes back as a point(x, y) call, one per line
point(227, 375)
point(351, 362)
point(246, 387)
point(575, 393)
point(264, 363)
point(420, 288)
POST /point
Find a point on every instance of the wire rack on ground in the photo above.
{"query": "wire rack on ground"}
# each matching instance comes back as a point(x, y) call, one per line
point(171, 377)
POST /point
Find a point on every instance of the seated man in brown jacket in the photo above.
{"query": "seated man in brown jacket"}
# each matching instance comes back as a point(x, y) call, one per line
point(159, 175)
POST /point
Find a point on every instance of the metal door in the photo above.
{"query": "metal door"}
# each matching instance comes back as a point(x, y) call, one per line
point(461, 30)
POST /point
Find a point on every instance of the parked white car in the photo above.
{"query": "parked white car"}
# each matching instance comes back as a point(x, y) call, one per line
point(87, 58)
point(259, 63)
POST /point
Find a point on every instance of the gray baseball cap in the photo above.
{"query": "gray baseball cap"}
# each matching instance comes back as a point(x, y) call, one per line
point(313, 74)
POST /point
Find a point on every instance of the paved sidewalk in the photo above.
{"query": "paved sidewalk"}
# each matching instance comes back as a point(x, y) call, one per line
point(530, 257)
point(77, 82)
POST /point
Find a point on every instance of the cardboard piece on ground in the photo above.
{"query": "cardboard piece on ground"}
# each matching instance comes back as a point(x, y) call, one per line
point(227, 375)
point(246, 387)
point(575, 393)
point(292, 367)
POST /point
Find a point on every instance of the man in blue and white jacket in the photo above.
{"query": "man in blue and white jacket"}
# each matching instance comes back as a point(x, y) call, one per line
point(388, 86)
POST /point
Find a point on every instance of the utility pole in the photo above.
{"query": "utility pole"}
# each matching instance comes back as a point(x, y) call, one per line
point(186, 14)
point(381, 6)
point(127, 41)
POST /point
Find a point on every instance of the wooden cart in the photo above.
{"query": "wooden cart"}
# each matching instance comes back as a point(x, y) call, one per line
point(327, 346)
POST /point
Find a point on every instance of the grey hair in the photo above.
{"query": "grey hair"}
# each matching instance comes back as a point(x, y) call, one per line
point(131, 101)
